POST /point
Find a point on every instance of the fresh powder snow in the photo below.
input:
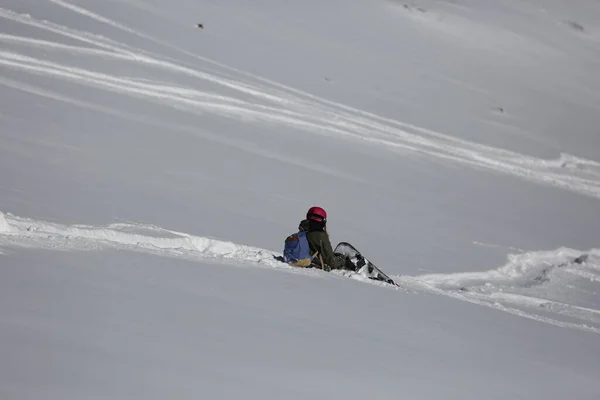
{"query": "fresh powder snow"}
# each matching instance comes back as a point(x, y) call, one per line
point(154, 156)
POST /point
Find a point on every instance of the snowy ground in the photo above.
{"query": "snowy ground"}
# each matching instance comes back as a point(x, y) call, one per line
point(150, 170)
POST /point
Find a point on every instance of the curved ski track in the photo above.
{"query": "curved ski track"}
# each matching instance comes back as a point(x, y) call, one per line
point(241, 96)
point(490, 288)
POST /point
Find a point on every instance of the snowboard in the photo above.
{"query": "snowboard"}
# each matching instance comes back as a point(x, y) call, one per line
point(363, 265)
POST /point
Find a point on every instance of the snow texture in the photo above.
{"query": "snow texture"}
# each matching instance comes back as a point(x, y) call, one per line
point(4, 226)
point(151, 169)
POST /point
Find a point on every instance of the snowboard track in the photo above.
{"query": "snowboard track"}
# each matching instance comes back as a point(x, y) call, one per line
point(234, 94)
point(489, 288)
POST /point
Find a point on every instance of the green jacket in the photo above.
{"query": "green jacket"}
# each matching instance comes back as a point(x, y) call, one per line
point(318, 241)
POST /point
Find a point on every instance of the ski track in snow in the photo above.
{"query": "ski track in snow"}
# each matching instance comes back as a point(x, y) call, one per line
point(506, 289)
point(517, 287)
point(241, 96)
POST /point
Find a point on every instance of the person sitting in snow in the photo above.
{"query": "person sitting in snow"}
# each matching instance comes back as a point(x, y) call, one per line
point(315, 226)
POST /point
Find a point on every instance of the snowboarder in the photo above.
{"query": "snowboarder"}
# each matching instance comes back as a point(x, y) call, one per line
point(315, 226)
point(310, 248)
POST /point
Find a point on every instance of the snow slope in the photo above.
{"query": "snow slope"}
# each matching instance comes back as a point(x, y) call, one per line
point(547, 274)
point(149, 171)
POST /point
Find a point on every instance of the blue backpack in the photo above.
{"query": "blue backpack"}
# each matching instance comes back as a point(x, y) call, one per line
point(296, 250)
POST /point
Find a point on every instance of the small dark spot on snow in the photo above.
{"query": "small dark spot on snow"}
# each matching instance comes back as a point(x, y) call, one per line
point(575, 26)
point(581, 259)
point(413, 8)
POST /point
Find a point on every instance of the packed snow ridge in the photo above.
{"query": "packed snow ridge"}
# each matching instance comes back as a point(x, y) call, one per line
point(561, 282)
point(549, 287)
point(4, 227)
point(24, 232)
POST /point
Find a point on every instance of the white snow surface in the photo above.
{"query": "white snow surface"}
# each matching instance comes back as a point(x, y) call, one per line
point(151, 169)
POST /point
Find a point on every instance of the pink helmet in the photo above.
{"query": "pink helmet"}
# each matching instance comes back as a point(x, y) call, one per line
point(316, 214)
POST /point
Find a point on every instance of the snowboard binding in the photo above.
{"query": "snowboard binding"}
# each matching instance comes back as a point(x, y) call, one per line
point(360, 264)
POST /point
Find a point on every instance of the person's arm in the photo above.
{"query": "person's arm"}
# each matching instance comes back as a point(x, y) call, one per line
point(327, 255)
